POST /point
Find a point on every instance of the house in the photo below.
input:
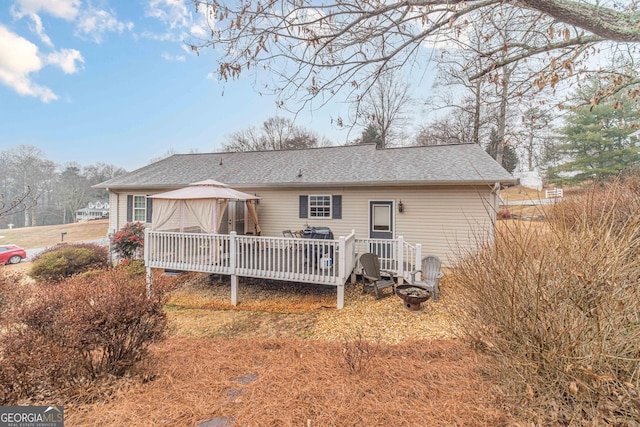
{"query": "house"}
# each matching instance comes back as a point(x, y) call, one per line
point(443, 197)
point(94, 210)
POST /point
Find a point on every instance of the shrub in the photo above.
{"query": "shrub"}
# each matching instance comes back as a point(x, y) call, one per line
point(560, 311)
point(84, 331)
point(134, 267)
point(128, 243)
point(57, 263)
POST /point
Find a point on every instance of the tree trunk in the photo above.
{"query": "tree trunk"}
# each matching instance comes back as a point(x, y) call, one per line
point(502, 115)
point(476, 111)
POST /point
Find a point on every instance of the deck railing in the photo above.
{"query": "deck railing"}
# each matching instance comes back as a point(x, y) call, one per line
point(328, 262)
point(396, 255)
point(318, 261)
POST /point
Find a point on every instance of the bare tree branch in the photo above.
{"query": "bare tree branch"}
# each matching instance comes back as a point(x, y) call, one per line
point(17, 204)
point(312, 49)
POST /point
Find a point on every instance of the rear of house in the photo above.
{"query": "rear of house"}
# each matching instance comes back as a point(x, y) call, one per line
point(443, 197)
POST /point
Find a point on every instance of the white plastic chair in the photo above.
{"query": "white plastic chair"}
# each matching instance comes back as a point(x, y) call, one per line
point(430, 276)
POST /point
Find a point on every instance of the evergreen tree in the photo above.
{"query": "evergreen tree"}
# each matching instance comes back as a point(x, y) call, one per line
point(371, 134)
point(509, 156)
point(598, 140)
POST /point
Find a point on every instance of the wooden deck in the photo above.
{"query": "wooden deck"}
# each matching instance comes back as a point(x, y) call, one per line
point(324, 262)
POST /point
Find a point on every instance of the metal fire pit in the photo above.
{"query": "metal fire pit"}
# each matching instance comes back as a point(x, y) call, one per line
point(412, 296)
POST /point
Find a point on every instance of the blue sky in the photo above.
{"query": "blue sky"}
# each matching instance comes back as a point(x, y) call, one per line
point(113, 82)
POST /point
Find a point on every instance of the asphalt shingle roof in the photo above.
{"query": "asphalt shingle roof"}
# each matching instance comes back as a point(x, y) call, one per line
point(341, 165)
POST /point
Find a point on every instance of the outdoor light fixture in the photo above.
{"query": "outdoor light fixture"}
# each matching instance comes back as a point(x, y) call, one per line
point(400, 207)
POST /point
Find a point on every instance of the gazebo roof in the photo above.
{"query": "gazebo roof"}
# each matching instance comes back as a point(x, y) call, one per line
point(207, 189)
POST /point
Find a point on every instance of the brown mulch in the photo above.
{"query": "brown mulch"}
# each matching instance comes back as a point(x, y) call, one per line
point(295, 382)
point(203, 309)
point(285, 356)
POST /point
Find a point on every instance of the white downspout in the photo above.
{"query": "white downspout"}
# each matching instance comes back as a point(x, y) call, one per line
point(494, 205)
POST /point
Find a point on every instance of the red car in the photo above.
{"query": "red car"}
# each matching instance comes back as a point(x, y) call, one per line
point(11, 254)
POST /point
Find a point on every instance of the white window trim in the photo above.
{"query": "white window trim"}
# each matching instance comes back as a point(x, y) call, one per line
point(330, 206)
point(143, 209)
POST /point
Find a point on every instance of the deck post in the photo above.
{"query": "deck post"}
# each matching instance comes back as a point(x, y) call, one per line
point(342, 270)
point(146, 257)
point(418, 256)
point(232, 266)
point(400, 256)
point(234, 289)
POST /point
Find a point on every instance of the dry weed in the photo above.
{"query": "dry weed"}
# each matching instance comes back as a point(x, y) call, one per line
point(561, 311)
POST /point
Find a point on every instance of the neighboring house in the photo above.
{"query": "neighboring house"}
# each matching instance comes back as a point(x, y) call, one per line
point(443, 197)
point(93, 210)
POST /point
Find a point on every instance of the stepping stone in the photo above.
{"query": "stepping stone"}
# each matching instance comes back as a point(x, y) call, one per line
point(247, 378)
point(216, 422)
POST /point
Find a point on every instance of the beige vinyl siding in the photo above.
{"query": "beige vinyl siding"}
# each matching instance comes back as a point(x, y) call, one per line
point(447, 221)
point(113, 212)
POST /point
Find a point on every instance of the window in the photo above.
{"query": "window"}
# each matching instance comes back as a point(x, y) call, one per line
point(139, 208)
point(319, 206)
point(381, 220)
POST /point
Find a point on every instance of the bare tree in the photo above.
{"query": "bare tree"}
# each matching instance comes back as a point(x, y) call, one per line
point(276, 133)
point(536, 137)
point(98, 173)
point(73, 191)
point(385, 108)
point(32, 175)
point(488, 105)
point(346, 44)
point(454, 128)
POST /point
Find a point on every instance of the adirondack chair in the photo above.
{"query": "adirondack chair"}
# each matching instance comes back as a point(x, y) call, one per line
point(429, 277)
point(372, 277)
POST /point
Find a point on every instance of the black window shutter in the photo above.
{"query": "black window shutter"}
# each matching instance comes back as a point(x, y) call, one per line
point(304, 206)
point(149, 208)
point(129, 208)
point(336, 202)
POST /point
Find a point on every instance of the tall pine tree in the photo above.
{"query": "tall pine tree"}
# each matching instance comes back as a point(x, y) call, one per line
point(599, 140)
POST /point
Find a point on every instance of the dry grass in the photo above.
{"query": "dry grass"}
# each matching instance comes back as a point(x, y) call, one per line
point(46, 236)
point(293, 382)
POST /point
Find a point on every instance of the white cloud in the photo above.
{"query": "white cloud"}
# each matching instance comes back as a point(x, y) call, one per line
point(66, 59)
point(38, 28)
point(65, 9)
point(179, 20)
point(168, 57)
point(95, 23)
point(19, 58)
point(174, 13)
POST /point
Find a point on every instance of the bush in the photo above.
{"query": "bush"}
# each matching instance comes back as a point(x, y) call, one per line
point(84, 331)
point(611, 205)
point(560, 311)
point(128, 243)
point(60, 262)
